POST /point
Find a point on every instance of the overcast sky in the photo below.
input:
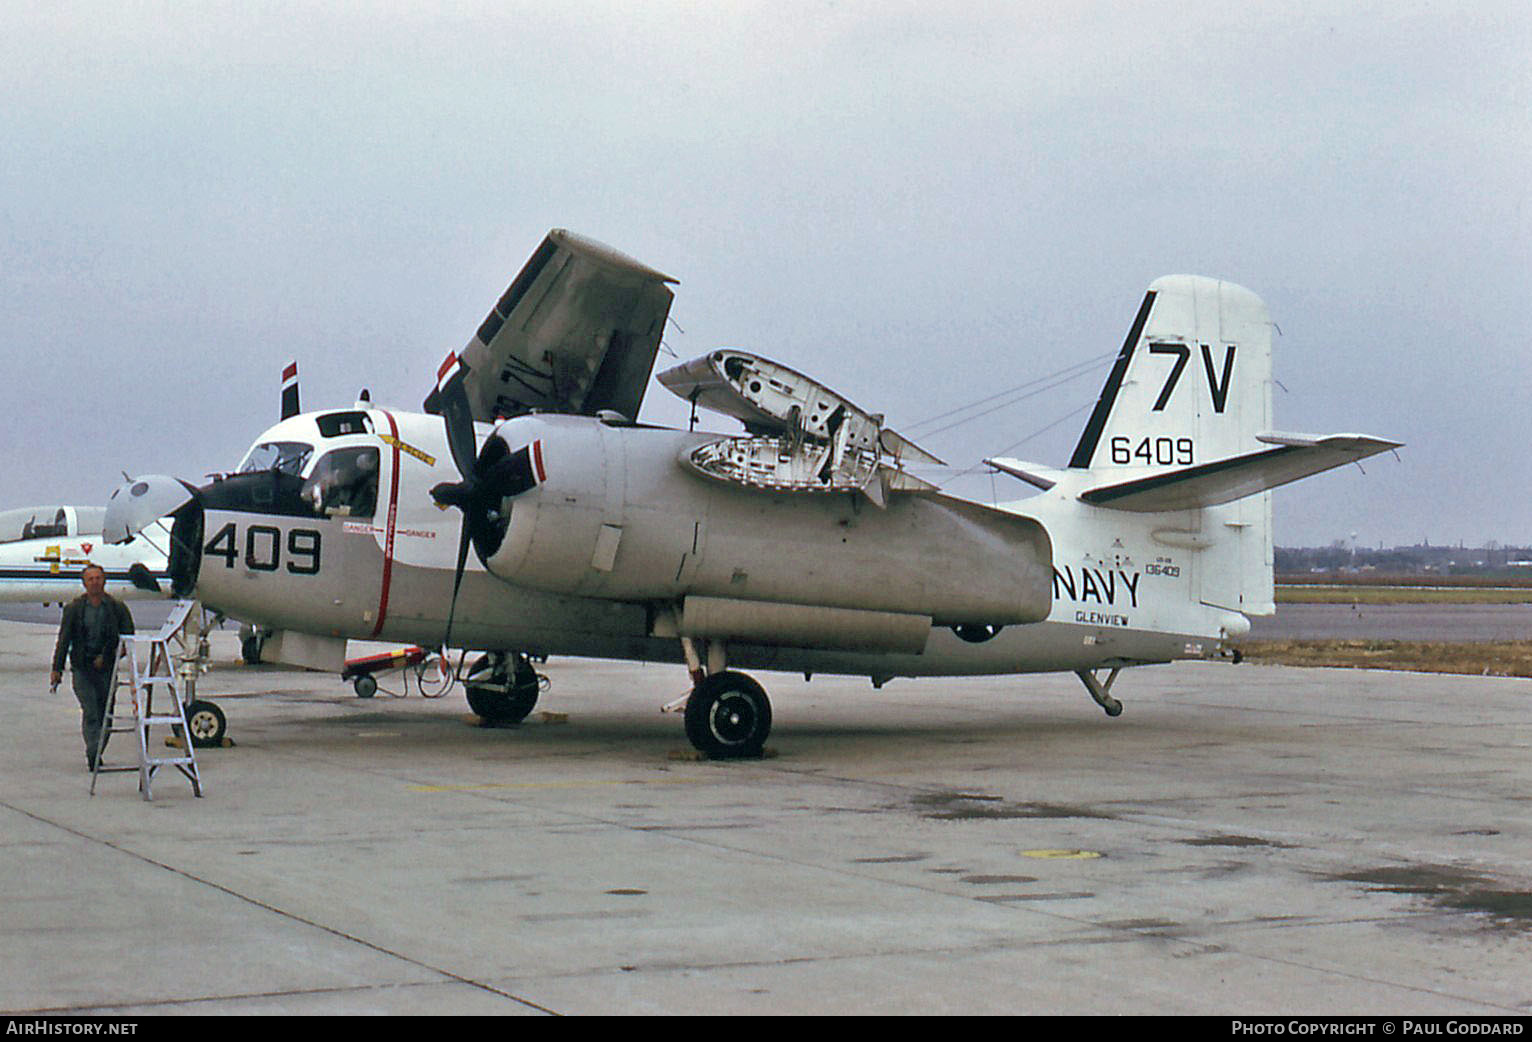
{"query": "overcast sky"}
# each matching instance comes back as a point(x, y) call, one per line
point(918, 204)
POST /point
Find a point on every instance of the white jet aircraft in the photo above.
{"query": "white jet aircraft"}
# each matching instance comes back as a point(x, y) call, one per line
point(42, 550)
point(804, 544)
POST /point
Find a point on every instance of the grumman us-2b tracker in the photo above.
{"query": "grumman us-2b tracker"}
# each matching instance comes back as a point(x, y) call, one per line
point(804, 544)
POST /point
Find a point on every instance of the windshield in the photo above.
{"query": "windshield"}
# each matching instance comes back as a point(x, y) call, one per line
point(290, 457)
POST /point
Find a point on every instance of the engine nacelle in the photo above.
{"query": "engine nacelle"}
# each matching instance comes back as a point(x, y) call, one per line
point(617, 516)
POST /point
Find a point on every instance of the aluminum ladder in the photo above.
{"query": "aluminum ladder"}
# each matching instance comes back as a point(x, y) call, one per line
point(149, 663)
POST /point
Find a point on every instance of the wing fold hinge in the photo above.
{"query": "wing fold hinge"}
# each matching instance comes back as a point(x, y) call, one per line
point(801, 436)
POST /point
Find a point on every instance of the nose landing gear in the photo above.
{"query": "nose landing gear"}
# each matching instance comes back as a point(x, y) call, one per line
point(206, 723)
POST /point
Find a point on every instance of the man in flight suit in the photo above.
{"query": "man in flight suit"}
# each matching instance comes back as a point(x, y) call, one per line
point(89, 633)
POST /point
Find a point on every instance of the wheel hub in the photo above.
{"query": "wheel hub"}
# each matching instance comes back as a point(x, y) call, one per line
point(732, 720)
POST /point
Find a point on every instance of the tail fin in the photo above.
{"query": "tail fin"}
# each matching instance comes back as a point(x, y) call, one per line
point(290, 390)
point(1181, 436)
point(1190, 389)
point(1191, 385)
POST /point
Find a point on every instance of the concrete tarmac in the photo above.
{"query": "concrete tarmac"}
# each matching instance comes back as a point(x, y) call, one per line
point(1242, 840)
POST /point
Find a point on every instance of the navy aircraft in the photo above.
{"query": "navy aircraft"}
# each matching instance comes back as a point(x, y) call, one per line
point(526, 512)
point(42, 550)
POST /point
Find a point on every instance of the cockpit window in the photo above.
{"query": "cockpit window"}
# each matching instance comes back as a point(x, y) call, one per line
point(333, 425)
point(344, 483)
point(289, 457)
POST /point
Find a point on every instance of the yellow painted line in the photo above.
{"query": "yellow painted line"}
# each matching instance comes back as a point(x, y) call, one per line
point(1062, 855)
point(404, 446)
point(533, 786)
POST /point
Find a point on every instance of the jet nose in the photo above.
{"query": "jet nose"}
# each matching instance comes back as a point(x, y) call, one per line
point(139, 502)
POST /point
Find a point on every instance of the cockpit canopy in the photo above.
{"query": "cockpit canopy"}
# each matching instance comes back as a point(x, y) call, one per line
point(285, 477)
point(289, 457)
point(293, 470)
point(49, 522)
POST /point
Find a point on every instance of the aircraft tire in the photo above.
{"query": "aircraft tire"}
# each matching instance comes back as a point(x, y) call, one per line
point(365, 686)
point(500, 705)
point(977, 634)
point(728, 717)
point(206, 723)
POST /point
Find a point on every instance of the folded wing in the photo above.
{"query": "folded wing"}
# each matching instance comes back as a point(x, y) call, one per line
point(576, 332)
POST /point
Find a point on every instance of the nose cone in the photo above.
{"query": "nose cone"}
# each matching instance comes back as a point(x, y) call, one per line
point(139, 503)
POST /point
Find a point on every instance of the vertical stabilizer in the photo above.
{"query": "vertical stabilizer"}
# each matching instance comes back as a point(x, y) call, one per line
point(290, 390)
point(1191, 387)
point(1192, 383)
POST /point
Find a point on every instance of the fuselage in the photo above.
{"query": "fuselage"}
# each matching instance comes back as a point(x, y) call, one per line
point(329, 529)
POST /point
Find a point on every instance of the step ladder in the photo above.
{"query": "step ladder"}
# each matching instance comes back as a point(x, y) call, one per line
point(144, 664)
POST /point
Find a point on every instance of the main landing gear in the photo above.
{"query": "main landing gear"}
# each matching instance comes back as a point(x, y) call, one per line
point(728, 715)
point(252, 641)
point(502, 687)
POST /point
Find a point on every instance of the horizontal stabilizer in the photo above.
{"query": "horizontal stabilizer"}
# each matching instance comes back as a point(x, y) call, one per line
point(1294, 456)
point(1035, 474)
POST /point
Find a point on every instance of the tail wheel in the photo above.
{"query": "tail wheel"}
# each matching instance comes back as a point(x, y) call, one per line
point(728, 717)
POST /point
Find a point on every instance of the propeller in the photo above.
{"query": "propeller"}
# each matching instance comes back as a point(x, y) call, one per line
point(490, 475)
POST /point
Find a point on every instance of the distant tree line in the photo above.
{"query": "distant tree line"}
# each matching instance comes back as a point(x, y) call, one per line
point(1341, 556)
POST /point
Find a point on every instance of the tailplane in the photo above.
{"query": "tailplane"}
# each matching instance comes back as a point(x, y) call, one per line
point(1293, 456)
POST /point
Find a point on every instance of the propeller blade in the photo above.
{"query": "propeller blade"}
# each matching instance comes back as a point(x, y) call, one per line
point(451, 400)
point(457, 580)
point(510, 475)
point(488, 477)
point(458, 494)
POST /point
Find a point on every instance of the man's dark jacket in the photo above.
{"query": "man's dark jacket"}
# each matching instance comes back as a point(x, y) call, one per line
point(72, 633)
